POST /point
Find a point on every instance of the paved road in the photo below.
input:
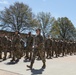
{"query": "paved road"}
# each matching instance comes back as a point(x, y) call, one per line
point(56, 66)
point(4, 72)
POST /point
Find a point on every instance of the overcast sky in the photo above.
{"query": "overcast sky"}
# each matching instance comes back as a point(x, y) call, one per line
point(58, 8)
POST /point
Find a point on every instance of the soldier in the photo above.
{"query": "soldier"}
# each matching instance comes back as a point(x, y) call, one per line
point(74, 47)
point(68, 47)
point(64, 48)
point(71, 49)
point(29, 44)
point(0, 47)
point(22, 46)
point(17, 53)
point(4, 45)
point(38, 49)
point(59, 47)
point(48, 47)
point(56, 48)
point(9, 42)
point(53, 47)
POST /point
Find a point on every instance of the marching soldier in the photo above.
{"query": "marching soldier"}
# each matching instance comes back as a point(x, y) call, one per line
point(48, 47)
point(17, 53)
point(4, 45)
point(38, 49)
point(22, 46)
point(9, 43)
point(53, 47)
point(0, 47)
point(56, 48)
point(29, 44)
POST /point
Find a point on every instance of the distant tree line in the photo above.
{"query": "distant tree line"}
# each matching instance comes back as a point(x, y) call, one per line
point(19, 17)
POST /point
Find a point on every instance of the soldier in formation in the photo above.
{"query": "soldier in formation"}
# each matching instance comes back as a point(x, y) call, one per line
point(48, 47)
point(52, 47)
point(29, 44)
point(38, 49)
point(16, 46)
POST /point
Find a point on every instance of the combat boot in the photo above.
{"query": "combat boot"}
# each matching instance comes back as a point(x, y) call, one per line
point(30, 65)
point(44, 66)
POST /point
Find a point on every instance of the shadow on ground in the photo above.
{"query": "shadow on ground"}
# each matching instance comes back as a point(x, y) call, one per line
point(26, 61)
point(12, 63)
point(36, 71)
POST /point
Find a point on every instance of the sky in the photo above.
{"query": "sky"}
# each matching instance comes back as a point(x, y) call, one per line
point(57, 8)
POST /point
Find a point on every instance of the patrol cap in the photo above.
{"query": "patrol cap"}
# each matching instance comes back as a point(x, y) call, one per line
point(29, 33)
point(38, 29)
point(17, 31)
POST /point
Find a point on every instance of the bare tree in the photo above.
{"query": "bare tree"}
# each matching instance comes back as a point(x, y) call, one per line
point(17, 17)
point(45, 21)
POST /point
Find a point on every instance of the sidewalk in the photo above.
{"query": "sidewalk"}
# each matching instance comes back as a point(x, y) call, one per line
point(56, 66)
point(3, 72)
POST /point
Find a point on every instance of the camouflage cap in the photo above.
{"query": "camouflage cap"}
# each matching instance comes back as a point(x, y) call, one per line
point(38, 29)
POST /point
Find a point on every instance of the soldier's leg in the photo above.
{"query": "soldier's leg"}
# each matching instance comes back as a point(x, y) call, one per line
point(63, 53)
point(48, 52)
point(70, 51)
point(27, 54)
point(10, 54)
point(18, 55)
point(13, 56)
point(0, 54)
point(52, 53)
point(56, 53)
point(5, 54)
point(50, 49)
point(42, 58)
point(32, 60)
point(30, 54)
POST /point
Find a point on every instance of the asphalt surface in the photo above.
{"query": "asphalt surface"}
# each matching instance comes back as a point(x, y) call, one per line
point(56, 66)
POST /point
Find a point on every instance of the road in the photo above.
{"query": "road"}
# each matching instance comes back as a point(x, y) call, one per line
point(56, 66)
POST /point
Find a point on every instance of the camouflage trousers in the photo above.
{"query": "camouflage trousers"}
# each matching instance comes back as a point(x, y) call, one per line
point(28, 52)
point(5, 52)
point(0, 52)
point(17, 53)
point(49, 52)
point(41, 54)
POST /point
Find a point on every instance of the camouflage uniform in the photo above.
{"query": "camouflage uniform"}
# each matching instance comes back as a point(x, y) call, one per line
point(48, 47)
point(9, 42)
point(22, 46)
point(38, 49)
point(4, 46)
point(53, 47)
point(60, 49)
point(56, 48)
point(29, 44)
point(74, 47)
point(17, 53)
point(70, 48)
point(64, 48)
point(0, 47)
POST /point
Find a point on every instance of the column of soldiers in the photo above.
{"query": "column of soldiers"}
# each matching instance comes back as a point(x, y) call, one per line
point(56, 48)
point(35, 47)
